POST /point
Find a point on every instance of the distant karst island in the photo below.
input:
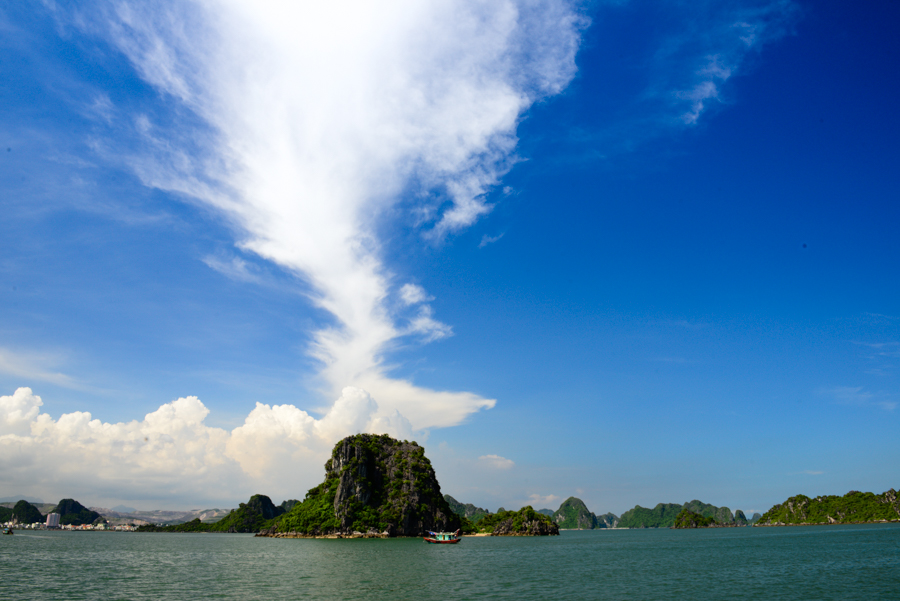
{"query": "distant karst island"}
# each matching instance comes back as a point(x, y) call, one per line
point(853, 508)
point(378, 487)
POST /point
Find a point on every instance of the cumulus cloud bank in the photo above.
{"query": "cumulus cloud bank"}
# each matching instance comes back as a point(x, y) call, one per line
point(307, 121)
point(172, 455)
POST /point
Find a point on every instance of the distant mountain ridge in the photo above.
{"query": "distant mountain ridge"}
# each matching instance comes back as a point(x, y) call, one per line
point(163, 517)
point(664, 515)
point(255, 515)
point(573, 514)
point(467, 510)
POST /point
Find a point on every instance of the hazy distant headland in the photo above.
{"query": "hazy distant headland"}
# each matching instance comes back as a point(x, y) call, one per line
point(376, 486)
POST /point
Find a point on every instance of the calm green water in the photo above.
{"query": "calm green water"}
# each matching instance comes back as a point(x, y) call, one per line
point(833, 562)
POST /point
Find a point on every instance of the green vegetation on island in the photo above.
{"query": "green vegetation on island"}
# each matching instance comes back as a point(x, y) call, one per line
point(573, 514)
point(664, 515)
point(255, 515)
point(466, 510)
point(661, 516)
point(374, 485)
point(22, 512)
point(524, 522)
point(853, 508)
point(721, 515)
point(689, 519)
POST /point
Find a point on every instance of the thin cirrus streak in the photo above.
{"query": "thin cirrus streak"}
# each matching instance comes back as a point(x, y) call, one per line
point(315, 118)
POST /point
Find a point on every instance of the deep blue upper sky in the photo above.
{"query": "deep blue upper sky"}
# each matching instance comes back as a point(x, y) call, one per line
point(663, 310)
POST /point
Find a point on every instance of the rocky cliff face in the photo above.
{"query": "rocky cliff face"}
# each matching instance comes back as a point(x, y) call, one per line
point(377, 485)
point(607, 520)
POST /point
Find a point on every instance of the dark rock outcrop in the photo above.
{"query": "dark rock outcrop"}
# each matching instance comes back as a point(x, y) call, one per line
point(26, 513)
point(374, 485)
point(288, 504)
point(72, 512)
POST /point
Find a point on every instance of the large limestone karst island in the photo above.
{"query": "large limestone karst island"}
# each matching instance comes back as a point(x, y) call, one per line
point(375, 486)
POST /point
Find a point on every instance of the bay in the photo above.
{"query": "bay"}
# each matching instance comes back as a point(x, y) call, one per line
point(815, 562)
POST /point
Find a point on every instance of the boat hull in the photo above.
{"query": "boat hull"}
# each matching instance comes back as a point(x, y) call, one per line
point(442, 542)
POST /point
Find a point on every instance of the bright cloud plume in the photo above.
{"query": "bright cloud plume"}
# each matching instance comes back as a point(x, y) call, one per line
point(171, 454)
point(308, 121)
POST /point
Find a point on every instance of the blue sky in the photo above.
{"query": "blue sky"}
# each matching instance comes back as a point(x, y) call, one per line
point(635, 252)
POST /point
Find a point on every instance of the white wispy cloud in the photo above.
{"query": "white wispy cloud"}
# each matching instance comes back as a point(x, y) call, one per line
point(411, 294)
point(171, 454)
point(496, 462)
point(317, 117)
point(234, 268)
point(715, 45)
point(485, 240)
point(43, 367)
point(695, 51)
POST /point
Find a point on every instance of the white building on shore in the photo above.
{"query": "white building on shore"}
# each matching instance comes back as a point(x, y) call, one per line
point(52, 520)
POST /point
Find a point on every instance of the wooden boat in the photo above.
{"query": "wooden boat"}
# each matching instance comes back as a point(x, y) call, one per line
point(7, 531)
point(442, 538)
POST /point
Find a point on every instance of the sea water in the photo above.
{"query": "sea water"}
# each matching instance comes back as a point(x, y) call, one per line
point(811, 562)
